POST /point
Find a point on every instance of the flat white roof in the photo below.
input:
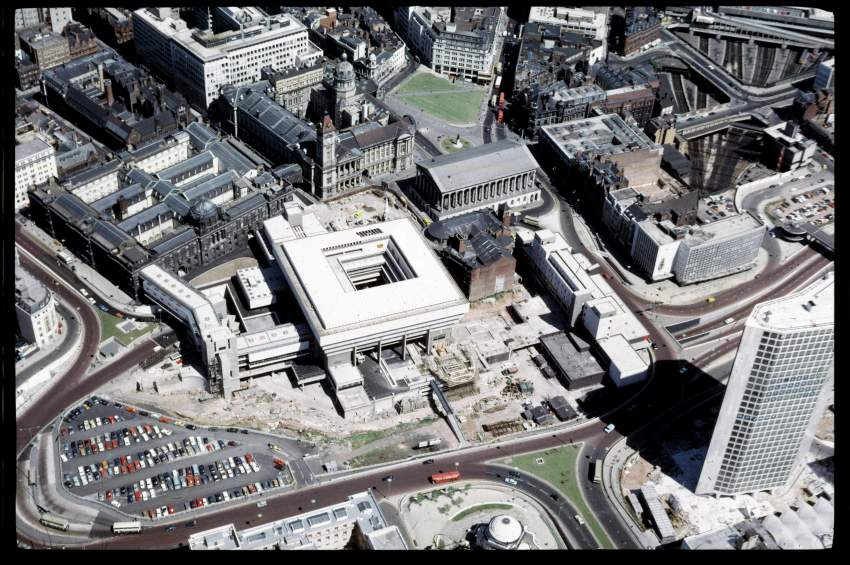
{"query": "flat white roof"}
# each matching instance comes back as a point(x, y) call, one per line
point(333, 301)
point(254, 285)
point(181, 33)
point(199, 304)
point(813, 306)
point(621, 354)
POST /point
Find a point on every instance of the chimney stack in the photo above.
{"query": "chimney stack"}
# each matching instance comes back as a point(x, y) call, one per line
point(107, 86)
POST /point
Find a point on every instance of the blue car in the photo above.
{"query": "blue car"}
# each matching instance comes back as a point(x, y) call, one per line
point(103, 307)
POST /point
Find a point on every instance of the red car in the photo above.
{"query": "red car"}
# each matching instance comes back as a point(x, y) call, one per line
point(170, 509)
point(137, 465)
point(138, 495)
point(249, 457)
point(108, 495)
point(114, 444)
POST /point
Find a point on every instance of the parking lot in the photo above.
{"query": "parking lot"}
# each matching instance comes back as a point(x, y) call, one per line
point(150, 465)
point(816, 205)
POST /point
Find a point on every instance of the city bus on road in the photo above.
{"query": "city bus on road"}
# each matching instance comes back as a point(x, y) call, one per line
point(533, 221)
point(449, 477)
point(65, 257)
point(597, 471)
point(55, 522)
point(126, 528)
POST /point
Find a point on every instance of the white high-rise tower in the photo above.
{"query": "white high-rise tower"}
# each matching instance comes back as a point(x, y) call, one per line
point(775, 396)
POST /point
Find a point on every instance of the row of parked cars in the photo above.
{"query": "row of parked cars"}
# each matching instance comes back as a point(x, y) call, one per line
point(112, 440)
point(203, 501)
point(88, 424)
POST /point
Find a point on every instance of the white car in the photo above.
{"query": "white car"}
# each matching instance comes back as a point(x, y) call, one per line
point(510, 481)
point(609, 428)
point(580, 520)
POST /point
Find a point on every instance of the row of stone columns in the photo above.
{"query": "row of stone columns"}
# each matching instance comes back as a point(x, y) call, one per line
point(486, 191)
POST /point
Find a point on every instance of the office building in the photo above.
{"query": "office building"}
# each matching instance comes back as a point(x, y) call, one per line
point(200, 62)
point(460, 42)
point(636, 101)
point(549, 53)
point(717, 249)
point(487, 176)
point(589, 23)
point(367, 288)
point(776, 394)
point(617, 334)
point(640, 29)
point(45, 49)
point(356, 522)
point(557, 103)
point(113, 25)
point(609, 138)
point(292, 87)
point(214, 339)
point(571, 358)
point(57, 18)
point(35, 164)
point(35, 307)
point(26, 18)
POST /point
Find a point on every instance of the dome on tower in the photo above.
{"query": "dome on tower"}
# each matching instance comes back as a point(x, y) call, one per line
point(203, 209)
point(344, 71)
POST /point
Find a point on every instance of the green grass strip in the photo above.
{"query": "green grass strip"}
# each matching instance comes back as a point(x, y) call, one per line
point(479, 508)
point(559, 469)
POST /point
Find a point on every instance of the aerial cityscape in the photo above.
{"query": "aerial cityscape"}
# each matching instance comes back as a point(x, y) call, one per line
point(411, 277)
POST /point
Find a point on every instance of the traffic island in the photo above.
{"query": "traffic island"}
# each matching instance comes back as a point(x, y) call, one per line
point(454, 144)
point(471, 514)
point(558, 467)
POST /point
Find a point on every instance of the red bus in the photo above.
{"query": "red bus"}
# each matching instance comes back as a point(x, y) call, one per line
point(439, 478)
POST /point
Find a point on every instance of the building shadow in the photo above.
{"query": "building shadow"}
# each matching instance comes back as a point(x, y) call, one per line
point(675, 444)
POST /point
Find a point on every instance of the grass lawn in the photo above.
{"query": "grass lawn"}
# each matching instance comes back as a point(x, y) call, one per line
point(109, 323)
point(559, 469)
point(479, 508)
point(454, 108)
point(426, 82)
point(448, 145)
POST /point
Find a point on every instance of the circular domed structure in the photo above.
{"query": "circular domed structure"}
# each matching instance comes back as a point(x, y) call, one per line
point(204, 210)
point(504, 532)
point(344, 74)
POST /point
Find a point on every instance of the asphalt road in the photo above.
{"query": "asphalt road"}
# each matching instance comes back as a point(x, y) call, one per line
point(774, 272)
point(48, 257)
point(70, 329)
point(425, 144)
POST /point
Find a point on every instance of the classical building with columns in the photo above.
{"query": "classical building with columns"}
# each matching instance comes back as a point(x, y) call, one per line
point(486, 176)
